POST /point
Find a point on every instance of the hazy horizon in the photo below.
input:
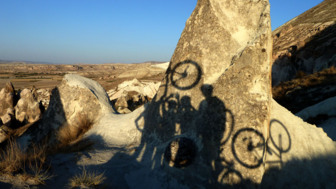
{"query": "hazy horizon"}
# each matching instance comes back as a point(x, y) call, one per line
point(98, 32)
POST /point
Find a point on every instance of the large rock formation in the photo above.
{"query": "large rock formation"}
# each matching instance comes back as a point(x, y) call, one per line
point(214, 101)
point(306, 43)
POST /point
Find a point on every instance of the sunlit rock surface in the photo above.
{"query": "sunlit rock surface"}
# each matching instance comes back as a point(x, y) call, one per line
point(27, 109)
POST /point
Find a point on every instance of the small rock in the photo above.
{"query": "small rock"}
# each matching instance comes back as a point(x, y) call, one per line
point(121, 102)
point(43, 96)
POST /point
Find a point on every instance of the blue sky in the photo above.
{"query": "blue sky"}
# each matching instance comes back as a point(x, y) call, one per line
point(104, 31)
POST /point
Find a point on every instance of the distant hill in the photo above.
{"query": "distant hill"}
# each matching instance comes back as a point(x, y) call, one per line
point(304, 58)
point(35, 62)
point(22, 62)
point(306, 43)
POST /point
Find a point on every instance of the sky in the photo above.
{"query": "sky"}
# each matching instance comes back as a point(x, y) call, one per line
point(104, 31)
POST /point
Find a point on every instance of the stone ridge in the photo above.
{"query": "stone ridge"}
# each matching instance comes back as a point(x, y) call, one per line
point(323, 12)
point(306, 43)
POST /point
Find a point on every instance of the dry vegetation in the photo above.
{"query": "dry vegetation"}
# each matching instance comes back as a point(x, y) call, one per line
point(31, 166)
point(87, 179)
point(69, 136)
point(327, 76)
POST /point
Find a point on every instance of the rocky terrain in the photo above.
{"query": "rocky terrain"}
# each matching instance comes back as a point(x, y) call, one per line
point(209, 120)
point(305, 44)
point(304, 61)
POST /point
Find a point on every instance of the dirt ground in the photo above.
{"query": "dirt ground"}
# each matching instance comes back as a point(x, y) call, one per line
point(24, 75)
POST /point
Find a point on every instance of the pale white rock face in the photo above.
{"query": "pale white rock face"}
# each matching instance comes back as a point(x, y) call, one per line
point(114, 130)
point(95, 88)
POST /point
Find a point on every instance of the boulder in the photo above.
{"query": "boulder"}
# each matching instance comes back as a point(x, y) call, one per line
point(27, 109)
point(43, 96)
point(74, 99)
point(121, 102)
point(132, 94)
point(7, 95)
point(147, 89)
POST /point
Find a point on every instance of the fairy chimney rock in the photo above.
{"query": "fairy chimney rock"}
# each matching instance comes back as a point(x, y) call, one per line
point(216, 93)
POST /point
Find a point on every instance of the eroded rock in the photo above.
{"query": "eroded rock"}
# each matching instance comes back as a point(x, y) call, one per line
point(7, 104)
point(305, 44)
point(74, 98)
point(130, 95)
point(217, 93)
point(27, 109)
point(43, 96)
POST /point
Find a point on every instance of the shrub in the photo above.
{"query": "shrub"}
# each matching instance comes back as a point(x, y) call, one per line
point(69, 136)
point(300, 74)
point(30, 165)
point(87, 179)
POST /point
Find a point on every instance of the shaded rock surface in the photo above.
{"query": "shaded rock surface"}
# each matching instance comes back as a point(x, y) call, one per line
point(322, 114)
point(299, 155)
point(306, 91)
point(306, 43)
